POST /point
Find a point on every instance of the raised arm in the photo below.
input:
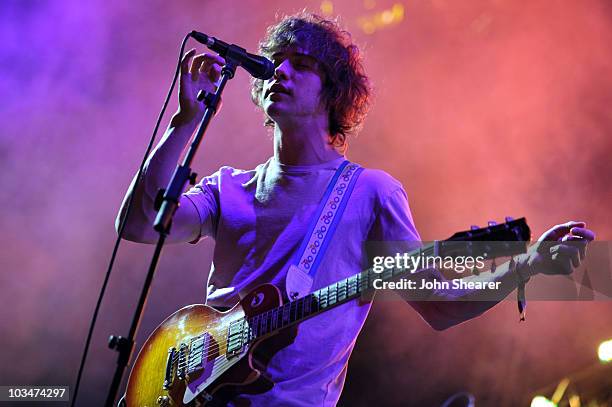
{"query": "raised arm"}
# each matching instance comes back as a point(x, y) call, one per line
point(201, 73)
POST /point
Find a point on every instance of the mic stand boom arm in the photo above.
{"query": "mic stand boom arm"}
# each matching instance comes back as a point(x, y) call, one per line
point(163, 221)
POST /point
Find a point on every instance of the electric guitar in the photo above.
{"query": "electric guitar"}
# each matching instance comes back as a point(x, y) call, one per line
point(200, 356)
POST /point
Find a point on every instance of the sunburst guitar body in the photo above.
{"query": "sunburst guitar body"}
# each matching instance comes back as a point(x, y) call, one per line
point(185, 361)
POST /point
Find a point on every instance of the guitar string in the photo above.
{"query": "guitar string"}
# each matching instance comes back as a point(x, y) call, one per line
point(427, 250)
point(225, 363)
point(367, 273)
point(223, 342)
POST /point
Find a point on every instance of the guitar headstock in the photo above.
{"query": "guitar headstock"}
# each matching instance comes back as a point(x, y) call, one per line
point(495, 240)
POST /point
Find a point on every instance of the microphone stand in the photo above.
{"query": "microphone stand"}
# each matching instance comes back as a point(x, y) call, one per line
point(168, 200)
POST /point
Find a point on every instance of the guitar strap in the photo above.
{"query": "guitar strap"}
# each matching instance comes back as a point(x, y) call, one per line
point(300, 275)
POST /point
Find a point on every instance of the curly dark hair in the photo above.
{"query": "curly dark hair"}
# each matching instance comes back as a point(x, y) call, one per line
point(346, 88)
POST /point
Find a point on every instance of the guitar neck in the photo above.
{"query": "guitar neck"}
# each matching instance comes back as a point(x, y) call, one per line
point(321, 300)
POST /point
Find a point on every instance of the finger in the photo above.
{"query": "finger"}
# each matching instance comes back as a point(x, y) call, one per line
point(203, 65)
point(562, 265)
point(197, 62)
point(185, 60)
point(215, 58)
point(578, 242)
point(215, 73)
point(588, 234)
point(564, 251)
point(557, 231)
point(573, 223)
point(211, 67)
point(565, 228)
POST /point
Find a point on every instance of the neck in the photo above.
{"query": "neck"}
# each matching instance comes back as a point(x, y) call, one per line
point(303, 144)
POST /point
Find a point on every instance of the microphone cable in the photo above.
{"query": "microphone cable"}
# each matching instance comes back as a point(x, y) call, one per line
point(123, 223)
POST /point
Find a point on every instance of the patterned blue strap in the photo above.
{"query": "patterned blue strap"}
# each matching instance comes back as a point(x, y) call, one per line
point(328, 215)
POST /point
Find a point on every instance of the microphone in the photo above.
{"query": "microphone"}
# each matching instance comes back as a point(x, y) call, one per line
point(258, 66)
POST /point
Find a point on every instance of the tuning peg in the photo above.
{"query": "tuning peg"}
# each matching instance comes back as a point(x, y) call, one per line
point(474, 227)
point(509, 219)
point(492, 223)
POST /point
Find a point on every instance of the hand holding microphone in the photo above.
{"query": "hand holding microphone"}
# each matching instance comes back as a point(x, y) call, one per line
point(204, 71)
point(201, 72)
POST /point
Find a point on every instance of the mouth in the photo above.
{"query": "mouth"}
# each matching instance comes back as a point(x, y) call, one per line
point(277, 88)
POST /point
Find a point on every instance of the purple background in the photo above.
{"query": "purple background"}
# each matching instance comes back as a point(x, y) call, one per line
point(483, 109)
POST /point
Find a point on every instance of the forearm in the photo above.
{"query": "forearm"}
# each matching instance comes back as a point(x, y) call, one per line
point(158, 170)
point(452, 306)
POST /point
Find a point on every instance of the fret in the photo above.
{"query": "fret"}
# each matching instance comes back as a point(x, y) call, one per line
point(332, 294)
point(274, 319)
point(259, 325)
point(342, 290)
point(307, 304)
point(316, 306)
point(246, 332)
point(350, 286)
point(279, 317)
point(255, 326)
point(264, 324)
point(286, 314)
point(323, 298)
point(292, 311)
point(365, 278)
point(300, 308)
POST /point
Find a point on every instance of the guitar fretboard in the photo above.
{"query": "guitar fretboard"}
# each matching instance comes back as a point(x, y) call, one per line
point(246, 330)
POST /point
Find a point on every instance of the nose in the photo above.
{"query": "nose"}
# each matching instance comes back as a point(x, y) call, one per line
point(282, 70)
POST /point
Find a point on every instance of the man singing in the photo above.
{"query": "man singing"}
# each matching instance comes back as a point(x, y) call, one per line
point(317, 98)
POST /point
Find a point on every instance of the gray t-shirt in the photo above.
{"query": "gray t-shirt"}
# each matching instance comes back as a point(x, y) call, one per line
point(258, 219)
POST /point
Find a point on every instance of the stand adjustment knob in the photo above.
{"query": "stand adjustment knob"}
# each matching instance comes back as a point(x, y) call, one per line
point(117, 342)
point(193, 178)
point(159, 199)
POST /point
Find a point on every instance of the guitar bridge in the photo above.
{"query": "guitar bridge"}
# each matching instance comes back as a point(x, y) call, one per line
point(170, 362)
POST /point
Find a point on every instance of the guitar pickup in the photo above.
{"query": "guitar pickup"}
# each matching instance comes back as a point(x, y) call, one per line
point(199, 350)
point(236, 337)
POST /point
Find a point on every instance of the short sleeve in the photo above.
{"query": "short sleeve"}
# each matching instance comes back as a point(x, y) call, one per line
point(205, 198)
point(393, 220)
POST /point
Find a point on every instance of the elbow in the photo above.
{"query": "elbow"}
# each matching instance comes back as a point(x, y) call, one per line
point(118, 225)
point(126, 233)
point(440, 320)
point(130, 232)
point(440, 324)
point(431, 313)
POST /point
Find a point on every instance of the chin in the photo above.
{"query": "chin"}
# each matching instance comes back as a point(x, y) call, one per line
point(273, 110)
